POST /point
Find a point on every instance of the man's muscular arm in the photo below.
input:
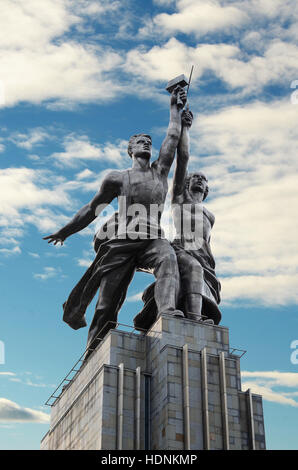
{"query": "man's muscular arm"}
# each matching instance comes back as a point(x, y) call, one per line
point(169, 145)
point(109, 189)
point(182, 156)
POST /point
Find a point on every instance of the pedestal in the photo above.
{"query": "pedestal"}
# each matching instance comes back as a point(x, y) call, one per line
point(176, 387)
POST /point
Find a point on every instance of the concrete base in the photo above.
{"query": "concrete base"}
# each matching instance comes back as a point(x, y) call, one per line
point(176, 387)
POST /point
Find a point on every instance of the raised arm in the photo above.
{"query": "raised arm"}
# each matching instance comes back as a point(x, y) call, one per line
point(182, 156)
point(109, 189)
point(169, 145)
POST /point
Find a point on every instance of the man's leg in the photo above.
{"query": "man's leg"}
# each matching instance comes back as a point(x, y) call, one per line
point(113, 288)
point(160, 258)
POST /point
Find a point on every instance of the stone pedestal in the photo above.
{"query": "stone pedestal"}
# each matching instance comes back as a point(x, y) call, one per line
point(177, 387)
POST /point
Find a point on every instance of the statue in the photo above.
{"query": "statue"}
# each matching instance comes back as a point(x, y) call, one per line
point(199, 290)
point(119, 257)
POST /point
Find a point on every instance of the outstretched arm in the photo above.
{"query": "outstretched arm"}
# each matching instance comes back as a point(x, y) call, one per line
point(169, 145)
point(182, 156)
point(109, 189)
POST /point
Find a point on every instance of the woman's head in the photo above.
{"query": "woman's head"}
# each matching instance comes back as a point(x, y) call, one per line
point(197, 182)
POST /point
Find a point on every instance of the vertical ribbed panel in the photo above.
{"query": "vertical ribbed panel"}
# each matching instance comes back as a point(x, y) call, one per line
point(147, 411)
point(251, 426)
point(185, 371)
point(120, 407)
point(138, 409)
point(224, 406)
point(205, 410)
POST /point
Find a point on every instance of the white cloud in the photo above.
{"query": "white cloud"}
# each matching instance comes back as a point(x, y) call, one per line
point(264, 289)
point(14, 413)
point(263, 383)
point(228, 63)
point(286, 379)
point(164, 2)
point(45, 219)
point(10, 251)
point(7, 241)
point(24, 379)
point(10, 240)
point(10, 232)
point(78, 148)
point(251, 165)
point(276, 65)
point(28, 141)
point(48, 272)
point(268, 9)
point(270, 395)
point(197, 17)
point(26, 198)
point(27, 25)
point(160, 62)
point(84, 263)
point(34, 197)
point(202, 17)
point(85, 174)
point(35, 54)
point(264, 51)
point(23, 188)
point(135, 298)
point(96, 9)
point(35, 75)
point(34, 255)
point(87, 257)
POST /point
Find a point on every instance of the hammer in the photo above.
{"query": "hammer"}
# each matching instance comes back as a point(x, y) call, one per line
point(181, 80)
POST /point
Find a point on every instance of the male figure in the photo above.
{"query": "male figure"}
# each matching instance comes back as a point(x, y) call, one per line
point(118, 258)
point(199, 287)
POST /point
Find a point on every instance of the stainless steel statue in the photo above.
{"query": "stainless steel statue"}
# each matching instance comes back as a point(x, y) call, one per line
point(118, 257)
point(185, 280)
point(199, 287)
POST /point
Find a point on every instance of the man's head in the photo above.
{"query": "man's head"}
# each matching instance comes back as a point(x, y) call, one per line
point(140, 145)
point(197, 182)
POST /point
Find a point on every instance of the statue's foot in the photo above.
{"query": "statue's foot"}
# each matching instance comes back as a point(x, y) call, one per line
point(175, 313)
point(145, 319)
point(200, 318)
point(178, 314)
point(194, 317)
point(76, 322)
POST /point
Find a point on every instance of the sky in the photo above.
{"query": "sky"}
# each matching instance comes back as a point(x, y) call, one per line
point(77, 79)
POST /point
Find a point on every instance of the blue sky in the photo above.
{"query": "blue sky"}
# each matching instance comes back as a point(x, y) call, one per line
point(77, 78)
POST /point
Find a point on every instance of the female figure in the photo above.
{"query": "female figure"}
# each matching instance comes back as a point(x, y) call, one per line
point(199, 287)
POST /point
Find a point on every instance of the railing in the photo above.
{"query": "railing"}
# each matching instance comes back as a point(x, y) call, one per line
point(76, 368)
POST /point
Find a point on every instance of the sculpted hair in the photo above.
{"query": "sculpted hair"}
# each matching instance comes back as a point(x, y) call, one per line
point(131, 141)
point(187, 182)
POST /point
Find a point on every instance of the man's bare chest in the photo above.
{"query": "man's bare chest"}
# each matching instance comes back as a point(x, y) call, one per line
point(145, 188)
